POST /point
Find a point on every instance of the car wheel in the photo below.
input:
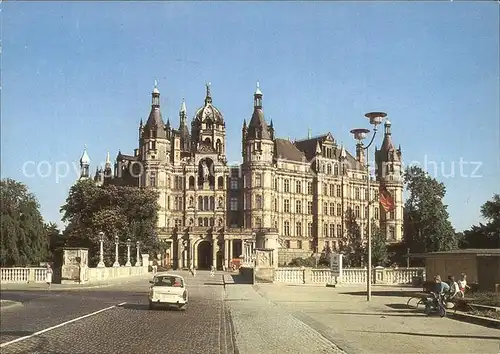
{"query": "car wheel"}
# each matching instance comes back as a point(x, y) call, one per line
point(183, 307)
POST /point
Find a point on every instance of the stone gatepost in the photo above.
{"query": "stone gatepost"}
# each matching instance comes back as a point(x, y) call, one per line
point(271, 244)
point(264, 268)
point(75, 268)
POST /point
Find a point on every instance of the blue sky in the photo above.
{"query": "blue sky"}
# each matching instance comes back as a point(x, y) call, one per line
point(82, 73)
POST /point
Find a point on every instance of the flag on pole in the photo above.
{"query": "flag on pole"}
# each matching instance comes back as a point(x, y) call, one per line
point(386, 199)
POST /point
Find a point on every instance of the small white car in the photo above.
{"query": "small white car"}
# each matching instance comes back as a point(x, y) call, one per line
point(168, 290)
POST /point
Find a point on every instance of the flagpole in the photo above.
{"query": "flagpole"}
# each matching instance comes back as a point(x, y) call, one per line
point(360, 134)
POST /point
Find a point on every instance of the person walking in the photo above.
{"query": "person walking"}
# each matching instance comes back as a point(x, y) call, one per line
point(48, 276)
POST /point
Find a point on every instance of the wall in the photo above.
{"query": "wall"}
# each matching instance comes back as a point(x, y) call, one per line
point(488, 269)
point(451, 264)
point(286, 255)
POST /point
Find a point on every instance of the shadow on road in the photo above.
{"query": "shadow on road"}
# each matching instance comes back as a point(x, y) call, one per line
point(432, 335)
point(400, 306)
point(394, 293)
point(379, 314)
point(128, 306)
point(212, 283)
point(241, 279)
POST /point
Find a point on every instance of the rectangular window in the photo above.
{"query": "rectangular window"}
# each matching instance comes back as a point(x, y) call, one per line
point(339, 191)
point(332, 190)
point(286, 206)
point(298, 207)
point(299, 244)
point(234, 184)
point(332, 209)
point(298, 187)
point(309, 188)
point(339, 209)
point(332, 230)
point(286, 186)
point(309, 229)
point(258, 180)
point(309, 208)
point(325, 230)
point(325, 208)
point(234, 204)
point(152, 179)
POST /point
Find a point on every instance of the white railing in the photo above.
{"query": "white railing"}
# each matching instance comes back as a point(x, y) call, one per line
point(22, 275)
point(349, 275)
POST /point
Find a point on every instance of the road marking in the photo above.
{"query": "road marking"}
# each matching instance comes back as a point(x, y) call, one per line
point(59, 325)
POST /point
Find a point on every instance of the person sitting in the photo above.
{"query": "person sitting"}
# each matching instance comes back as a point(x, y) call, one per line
point(462, 284)
point(454, 288)
point(440, 287)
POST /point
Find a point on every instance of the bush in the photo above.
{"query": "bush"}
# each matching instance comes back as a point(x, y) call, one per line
point(488, 299)
point(303, 262)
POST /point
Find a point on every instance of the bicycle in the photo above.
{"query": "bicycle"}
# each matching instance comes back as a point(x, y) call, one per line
point(415, 302)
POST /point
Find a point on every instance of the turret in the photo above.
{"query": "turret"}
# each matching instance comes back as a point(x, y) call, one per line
point(84, 164)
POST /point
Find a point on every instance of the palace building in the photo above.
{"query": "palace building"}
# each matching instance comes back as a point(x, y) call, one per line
point(287, 195)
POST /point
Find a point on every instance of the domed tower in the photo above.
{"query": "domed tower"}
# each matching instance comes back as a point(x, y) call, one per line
point(208, 129)
point(84, 164)
point(154, 145)
point(257, 167)
point(390, 177)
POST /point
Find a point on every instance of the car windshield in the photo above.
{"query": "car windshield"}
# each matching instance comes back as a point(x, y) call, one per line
point(168, 280)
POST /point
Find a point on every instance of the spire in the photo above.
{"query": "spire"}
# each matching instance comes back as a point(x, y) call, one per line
point(387, 144)
point(309, 133)
point(108, 160)
point(85, 159)
point(342, 154)
point(183, 106)
point(155, 96)
point(208, 97)
point(84, 164)
point(257, 97)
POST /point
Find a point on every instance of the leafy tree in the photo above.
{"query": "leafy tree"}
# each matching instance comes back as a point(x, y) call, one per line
point(352, 245)
point(23, 240)
point(57, 241)
point(485, 235)
point(427, 225)
point(380, 255)
point(123, 212)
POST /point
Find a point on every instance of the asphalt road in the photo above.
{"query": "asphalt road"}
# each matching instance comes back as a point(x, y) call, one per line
point(123, 325)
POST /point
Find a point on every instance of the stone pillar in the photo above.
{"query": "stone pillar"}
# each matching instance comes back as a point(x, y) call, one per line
point(179, 254)
point(226, 253)
point(145, 261)
point(195, 251)
point(231, 252)
point(214, 252)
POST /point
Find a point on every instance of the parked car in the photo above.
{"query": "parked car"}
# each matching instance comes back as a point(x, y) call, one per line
point(168, 290)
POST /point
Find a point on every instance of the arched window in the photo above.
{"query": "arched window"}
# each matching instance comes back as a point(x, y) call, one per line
point(200, 221)
point(205, 222)
point(336, 169)
point(357, 211)
point(218, 146)
point(220, 182)
point(332, 230)
point(329, 169)
point(191, 182)
point(205, 203)
point(212, 221)
point(212, 203)
point(325, 230)
point(200, 203)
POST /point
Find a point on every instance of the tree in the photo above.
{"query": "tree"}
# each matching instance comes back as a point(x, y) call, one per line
point(123, 212)
point(57, 241)
point(485, 235)
point(352, 245)
point(380, 256)
point(427, 225)
point(24, 240)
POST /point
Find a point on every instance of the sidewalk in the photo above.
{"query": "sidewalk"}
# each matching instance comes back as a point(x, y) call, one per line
point(64, 287)
point(384, 325)
point(261, 327)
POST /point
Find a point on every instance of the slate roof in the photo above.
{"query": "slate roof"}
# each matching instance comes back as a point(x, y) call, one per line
point(285, 149)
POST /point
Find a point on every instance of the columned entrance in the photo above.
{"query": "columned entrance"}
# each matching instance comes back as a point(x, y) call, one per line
point(204, 254)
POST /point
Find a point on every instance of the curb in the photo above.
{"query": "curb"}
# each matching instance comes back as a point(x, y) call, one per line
point(479, 320)
point(6, 304)
point(55, 287)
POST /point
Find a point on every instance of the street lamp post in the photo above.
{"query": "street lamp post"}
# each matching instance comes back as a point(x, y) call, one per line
point(129, 243)
point(101, 250)
point(137, 257)
point(116, 264)
point(375, 118)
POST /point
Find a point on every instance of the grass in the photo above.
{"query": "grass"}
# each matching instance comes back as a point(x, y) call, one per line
point(485, 313)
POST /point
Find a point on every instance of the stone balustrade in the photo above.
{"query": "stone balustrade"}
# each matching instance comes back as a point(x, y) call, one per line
point(349, 275)
point(23, 275)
